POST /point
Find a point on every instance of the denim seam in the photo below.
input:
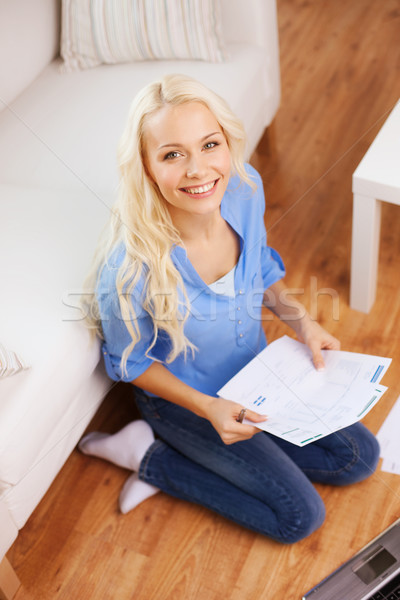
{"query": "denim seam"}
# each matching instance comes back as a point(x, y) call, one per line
point(286, 500)
point(221, 509)
point(147, 457)
point(348, 466)
point(217, 448)
point(233, 459)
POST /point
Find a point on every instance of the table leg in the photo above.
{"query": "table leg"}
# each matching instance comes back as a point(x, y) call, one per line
point(364, 252)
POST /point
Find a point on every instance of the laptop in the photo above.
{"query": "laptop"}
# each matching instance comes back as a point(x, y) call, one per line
point(372, 574)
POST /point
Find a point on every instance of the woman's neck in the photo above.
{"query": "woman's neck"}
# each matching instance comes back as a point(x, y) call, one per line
point(212, 246)
point(198, 228)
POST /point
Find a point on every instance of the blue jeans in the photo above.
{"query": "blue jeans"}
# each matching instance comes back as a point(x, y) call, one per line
point(263, 483)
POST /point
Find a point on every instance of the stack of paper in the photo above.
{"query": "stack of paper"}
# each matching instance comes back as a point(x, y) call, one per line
point(389, 440)
point(303, 404)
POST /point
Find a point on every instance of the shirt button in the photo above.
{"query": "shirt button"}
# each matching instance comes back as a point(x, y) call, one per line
point(240, 335)
point(239, 322)
point(239, 307)
point(241, 292)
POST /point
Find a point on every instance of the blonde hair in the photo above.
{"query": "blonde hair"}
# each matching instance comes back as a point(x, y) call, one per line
point(141, 221)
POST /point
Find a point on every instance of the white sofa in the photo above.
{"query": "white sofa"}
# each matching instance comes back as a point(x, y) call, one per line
point(58, 137)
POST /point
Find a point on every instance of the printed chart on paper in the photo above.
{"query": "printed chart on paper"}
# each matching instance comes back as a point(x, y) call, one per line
point(303, 404)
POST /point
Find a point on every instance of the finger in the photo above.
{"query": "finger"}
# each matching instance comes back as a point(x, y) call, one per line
point(243, 429)
point(335, 344)
point(241, 415)
point(245, 432)
point(331, 344)
point(255, 417)
point(248, 431)
point(317, 359)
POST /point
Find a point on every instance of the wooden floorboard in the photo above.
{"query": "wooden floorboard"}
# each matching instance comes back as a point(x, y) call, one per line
point(340, 66)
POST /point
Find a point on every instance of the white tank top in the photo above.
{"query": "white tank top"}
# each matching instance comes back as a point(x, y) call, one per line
point(225, 285)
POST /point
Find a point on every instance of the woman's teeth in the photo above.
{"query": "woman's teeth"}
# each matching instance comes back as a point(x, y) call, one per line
point(200, 190)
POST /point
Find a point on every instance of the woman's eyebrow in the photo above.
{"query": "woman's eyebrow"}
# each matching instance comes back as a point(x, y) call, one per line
point(178, 145)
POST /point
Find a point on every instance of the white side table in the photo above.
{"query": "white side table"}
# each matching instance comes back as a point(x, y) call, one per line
point(376, 180)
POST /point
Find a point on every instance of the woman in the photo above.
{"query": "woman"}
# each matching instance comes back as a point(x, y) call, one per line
point(179, 286)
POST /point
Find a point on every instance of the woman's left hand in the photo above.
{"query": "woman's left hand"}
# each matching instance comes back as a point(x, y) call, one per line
point(278, 299)
point(316, 338)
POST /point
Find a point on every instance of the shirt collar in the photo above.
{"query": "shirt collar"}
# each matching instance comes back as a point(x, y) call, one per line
point(179, 255)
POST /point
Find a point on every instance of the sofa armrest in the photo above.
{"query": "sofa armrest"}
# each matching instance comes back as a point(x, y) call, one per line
point(255, 22)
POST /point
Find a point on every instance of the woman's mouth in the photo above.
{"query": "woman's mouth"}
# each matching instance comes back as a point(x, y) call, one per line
point(200, 190)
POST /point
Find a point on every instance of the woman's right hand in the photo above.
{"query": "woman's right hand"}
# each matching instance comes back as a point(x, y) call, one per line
point(223, 415)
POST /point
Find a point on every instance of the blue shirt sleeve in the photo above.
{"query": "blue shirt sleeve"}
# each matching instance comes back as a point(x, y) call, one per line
point(115, 332)
point(272, 266)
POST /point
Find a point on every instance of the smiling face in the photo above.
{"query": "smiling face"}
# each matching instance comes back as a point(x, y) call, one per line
point(187, 156)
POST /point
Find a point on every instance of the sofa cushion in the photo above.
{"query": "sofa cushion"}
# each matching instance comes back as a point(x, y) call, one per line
point(115, 31)
point(62, 132)
point(49, 240)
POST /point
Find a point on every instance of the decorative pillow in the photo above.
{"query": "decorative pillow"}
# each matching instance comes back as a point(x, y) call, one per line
point(115, 31)
point(10, 363)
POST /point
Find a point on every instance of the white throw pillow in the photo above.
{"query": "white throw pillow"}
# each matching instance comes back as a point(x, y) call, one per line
point(115, 31)
point(10, 363)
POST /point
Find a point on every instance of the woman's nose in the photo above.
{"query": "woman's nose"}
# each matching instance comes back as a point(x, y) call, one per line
point(195, 167)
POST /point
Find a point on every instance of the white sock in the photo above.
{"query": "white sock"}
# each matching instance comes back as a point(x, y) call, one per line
point(134, 492)
point(126, 448)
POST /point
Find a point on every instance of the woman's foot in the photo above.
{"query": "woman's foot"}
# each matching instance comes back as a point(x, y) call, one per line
point(126, 448)
point(134, 492)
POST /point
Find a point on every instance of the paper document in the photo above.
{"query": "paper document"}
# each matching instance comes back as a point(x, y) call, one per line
point(389, 440)
point(303, 404)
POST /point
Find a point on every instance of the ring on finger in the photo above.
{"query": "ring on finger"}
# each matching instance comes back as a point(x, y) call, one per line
point(242, 415)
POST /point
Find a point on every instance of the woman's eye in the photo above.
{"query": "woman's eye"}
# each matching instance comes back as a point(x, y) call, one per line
point(170, 155)
point(210, 145)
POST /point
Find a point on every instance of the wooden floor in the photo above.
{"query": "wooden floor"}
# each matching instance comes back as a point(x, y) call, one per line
point(340, 62)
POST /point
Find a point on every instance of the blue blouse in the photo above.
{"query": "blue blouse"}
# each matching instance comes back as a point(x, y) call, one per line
point(227, 331)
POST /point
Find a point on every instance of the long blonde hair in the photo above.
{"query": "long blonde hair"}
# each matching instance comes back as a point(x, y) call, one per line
point(141, 222)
